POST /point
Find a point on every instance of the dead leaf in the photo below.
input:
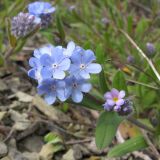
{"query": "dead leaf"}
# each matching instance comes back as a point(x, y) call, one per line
point(51, 112)
point(21, 121)
point(69, 155)
point(23, 97)
point(47, 152)
point(2, 114)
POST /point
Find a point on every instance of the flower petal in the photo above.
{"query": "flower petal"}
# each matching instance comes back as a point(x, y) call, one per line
point(94, 68)
point(88, 56)
point(46, 72)
point(114, 92)
point(108, 95)
point(84, 74)
point(65, 64)
point(50, 98)
point(34, 62)
point(107, 107)
point(77, 96)
point(46, 60)
point(61, 95)
point(70, 48)
point(110, 102)
point(120, 102)
point(58, 74)
point(85, 87)
point(121, 94)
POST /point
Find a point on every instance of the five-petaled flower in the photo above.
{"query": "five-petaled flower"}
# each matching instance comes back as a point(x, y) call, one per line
point(82, 63)
point(74, 88)
point(55, 64)
point(114, 100)
point(42, 10)
point(51, 89)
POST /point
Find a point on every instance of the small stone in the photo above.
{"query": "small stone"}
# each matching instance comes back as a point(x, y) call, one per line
point(3, 150)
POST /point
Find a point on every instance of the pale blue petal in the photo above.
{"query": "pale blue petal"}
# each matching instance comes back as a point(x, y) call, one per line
point(57, 55)
point(46, 72)
point(61, 95)
point(34, 62)
point(77, 96)
point(46, 60)
point(65, 64)
point(68, 91)
point(76, 58)
point(94, 68)
point(60, 83)
point(86, 87)
point(74, 69)
point(84, 74)
point(70, 48)
point(58, 74)
point(50, 98)
point(88, 57)
point(50, 10)
point(31, 73)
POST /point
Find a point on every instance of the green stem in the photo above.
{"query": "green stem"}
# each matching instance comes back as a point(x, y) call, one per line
point(141, 125)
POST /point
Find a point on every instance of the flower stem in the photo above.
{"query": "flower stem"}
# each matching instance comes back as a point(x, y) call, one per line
point(141, 125)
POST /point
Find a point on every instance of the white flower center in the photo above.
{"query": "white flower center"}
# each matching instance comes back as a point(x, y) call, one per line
point(55, 65)
point(82, 66)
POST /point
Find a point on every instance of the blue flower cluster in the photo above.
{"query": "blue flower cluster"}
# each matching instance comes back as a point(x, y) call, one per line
point(63, 72)
point(42, 10)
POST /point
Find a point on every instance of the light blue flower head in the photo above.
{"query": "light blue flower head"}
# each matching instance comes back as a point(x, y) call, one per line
point(74, 88)
point(82, 63)
point(39, 8)
point(51, 89)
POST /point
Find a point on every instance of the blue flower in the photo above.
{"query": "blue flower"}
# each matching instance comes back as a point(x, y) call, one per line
point(39, 8)
point(51, 89)
point(35, 63)
point(75, 87)
point(55, 64)
point(82, 63)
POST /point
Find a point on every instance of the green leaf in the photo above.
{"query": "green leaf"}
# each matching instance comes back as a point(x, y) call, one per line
point(133, 144)
point(52, 138)
point(60, 27)
point(119, 81)
point(12, 39)
point(100, 54)
point(102, 82)
point(106, 128)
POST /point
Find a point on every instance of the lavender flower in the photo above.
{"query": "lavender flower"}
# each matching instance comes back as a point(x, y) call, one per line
point(42, 10)
point(82, 63)
point(114, 100)
point(51, 89)
point(150, 49)
point(23, 24)
point(130, 59)
point(55, 64)
point(75, 87)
